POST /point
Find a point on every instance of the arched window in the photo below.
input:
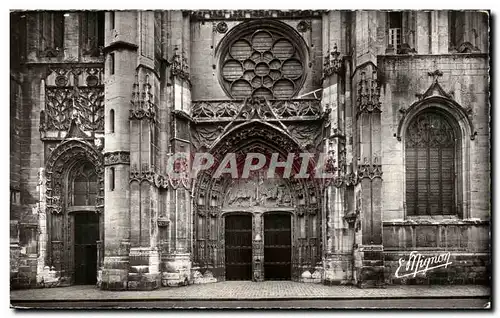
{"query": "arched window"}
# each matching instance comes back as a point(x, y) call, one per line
point(112, 179)
point(431, 164)
point(112, 121)
point(84, 186)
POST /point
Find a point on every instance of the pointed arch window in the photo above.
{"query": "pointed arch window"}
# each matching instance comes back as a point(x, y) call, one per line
point(431, 145)
point(84, 186)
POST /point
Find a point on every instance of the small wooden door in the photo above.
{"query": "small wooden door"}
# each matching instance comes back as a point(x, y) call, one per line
point(86, 237)
point(238, 240)
point(277, 246)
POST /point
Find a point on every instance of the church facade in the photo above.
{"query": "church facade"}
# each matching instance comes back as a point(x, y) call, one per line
point(396, 103)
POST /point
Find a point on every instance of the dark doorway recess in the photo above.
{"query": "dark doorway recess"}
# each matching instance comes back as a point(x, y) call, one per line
point(277, 246)
point(86, 237)
point(238, 240)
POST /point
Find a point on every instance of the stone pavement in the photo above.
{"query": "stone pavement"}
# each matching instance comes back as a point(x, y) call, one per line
point(252, 291)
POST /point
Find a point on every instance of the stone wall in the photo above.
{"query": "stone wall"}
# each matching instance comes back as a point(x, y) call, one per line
point(465, 80)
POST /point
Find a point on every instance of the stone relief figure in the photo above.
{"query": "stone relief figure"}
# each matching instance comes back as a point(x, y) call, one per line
point(264, 192)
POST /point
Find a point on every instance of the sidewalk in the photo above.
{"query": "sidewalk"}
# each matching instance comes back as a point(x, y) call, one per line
point(252, 291)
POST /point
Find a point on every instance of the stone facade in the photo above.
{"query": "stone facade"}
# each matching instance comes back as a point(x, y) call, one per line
point(101, 100)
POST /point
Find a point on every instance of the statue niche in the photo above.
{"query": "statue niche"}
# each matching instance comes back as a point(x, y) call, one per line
point(258, 191)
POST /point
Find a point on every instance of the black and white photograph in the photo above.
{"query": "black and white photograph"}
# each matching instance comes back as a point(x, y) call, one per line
point(250, 159)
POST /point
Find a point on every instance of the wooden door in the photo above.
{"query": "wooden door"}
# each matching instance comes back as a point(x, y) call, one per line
point(277, 246)
point(238, 239)
point(86, 237)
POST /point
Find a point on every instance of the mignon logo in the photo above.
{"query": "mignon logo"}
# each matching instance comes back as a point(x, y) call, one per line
point(418, 263)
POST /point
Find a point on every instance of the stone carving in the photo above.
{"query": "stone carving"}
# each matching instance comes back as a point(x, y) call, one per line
point(61, 158)
point(368, 94)
point(304, 26)
point(58, 109)
point(180, 66)
point(258, 192)
point(258, 107)
point(163, 222)
point(143, 100)
point(117, 157)
point(73, 92)
point(297, 108)
point(251, 14)
point(307, 135)
point(158, 180)
point(435, 89)
point(90, 108)
point(435, 92)
point(333, 63)
point(221, 27)
point(368, 170)
point(214, 109)
point(205, 136)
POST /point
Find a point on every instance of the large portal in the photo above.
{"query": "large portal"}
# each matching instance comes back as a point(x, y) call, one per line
point(86, 237)
point(277, 246)
point(238, 239)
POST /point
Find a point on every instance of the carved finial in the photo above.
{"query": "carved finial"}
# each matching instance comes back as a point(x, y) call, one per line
point(435, 75)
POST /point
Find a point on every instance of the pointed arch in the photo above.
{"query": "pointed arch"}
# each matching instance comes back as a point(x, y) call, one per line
point(460, 114)
point(452, 115)
point(65, 155)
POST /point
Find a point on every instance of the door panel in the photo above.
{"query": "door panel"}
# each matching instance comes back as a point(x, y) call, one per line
point(277, 246)
point(86, 237)
point(238, 240)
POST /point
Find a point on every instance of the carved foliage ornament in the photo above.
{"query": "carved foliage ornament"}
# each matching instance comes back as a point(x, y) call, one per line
point(117, 157)
point(160, 181)
point(227, 110)
point(74, 92)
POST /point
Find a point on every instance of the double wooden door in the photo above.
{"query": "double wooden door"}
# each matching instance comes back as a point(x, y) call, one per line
point(277, 246)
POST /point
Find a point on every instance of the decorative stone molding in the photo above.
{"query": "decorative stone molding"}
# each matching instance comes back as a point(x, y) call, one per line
point(51, 52)
point(179, 67)
point(304, 26)
point(116, 157)
point(160, 181)
point(230, 110)
point(143, 100)
point(73, 92)
point(333, 63)
point(163, 222)
point(368, 170)
point(252, 14)
point(368, 94)
point(62, 157)
point(436, 96)
point(435, 89)
point(221, 27)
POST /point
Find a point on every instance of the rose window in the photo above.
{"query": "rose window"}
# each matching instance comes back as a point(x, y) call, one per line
point(262, 63)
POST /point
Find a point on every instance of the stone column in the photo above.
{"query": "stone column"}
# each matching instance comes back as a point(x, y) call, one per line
point(369, 170)
point(176, 268)
point(258, 248)
point(121, 60)
point(144, 192)
point(368, 257)
point(336, 261)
